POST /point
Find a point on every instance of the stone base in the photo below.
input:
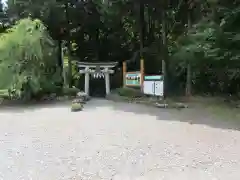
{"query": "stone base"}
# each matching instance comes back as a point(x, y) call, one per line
point(83, 96)
point(171, 105)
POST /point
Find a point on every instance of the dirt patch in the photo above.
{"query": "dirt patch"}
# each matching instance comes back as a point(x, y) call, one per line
point(216, 106)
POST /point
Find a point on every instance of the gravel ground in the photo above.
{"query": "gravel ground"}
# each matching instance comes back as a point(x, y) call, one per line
point(116, 141)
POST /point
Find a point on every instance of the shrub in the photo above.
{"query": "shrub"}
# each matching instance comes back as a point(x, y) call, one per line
point(4, 94)
point(130, 92)
point(76, 107)
point(70, 91)
point(28, 62)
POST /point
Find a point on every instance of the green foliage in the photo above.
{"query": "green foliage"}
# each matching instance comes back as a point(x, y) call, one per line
point(110, 31)
point(75, 74)
point(130, 92)
point(4, 94)
point(70, 91)
point(212, 49)
point(76, 107)
point(28, 59)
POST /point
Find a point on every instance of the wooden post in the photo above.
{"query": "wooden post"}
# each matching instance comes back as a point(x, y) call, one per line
point(142, 72)
point(124, 73)
point(63, 69)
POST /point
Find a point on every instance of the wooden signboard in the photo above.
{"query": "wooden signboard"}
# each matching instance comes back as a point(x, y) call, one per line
point(133, 79)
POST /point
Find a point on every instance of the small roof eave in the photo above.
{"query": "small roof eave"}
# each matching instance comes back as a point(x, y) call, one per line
point(94, 64)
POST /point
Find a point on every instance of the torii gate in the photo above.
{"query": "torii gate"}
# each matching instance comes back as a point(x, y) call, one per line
point(98, 70)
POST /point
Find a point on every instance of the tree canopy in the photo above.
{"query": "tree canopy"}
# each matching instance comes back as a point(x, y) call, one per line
point(194, 43)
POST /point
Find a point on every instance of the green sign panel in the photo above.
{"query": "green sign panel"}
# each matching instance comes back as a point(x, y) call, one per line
point(153, 78)
point(133, 79)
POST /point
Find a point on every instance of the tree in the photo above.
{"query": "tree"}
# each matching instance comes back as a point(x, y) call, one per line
point(28, 59)
point(190, 41)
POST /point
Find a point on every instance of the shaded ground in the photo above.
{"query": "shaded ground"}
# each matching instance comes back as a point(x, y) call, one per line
point(117, 141)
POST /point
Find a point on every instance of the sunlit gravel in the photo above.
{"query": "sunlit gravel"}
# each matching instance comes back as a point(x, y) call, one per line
point(115, 141)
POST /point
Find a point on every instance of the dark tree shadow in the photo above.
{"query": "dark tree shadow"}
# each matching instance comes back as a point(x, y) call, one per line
point(192, 115)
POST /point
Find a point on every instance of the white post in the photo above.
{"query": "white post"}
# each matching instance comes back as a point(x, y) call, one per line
point(87, 80)
point(107, 81)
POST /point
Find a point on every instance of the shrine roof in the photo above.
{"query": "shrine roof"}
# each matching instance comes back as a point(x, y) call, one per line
point(94, 64)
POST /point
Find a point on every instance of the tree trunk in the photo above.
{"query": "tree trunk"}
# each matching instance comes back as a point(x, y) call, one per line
point(150, 26)
point(97, 45)
point(189, 80)
point(188, 89)
point(62, 64)
point(141, 27)
point(164, 51)
point(69, 48)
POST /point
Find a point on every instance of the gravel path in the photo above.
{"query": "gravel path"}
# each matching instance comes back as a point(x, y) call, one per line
point(116, 141)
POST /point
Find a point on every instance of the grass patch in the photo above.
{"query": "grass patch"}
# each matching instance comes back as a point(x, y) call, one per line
point(4, 94)
point(70, 91)
point(130, 92)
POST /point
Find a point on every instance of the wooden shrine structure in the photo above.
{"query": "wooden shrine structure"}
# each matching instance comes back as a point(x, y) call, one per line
point(97, 70)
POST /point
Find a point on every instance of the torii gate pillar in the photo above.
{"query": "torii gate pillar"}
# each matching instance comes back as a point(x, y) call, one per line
point(107, 82)
point(87, 77)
